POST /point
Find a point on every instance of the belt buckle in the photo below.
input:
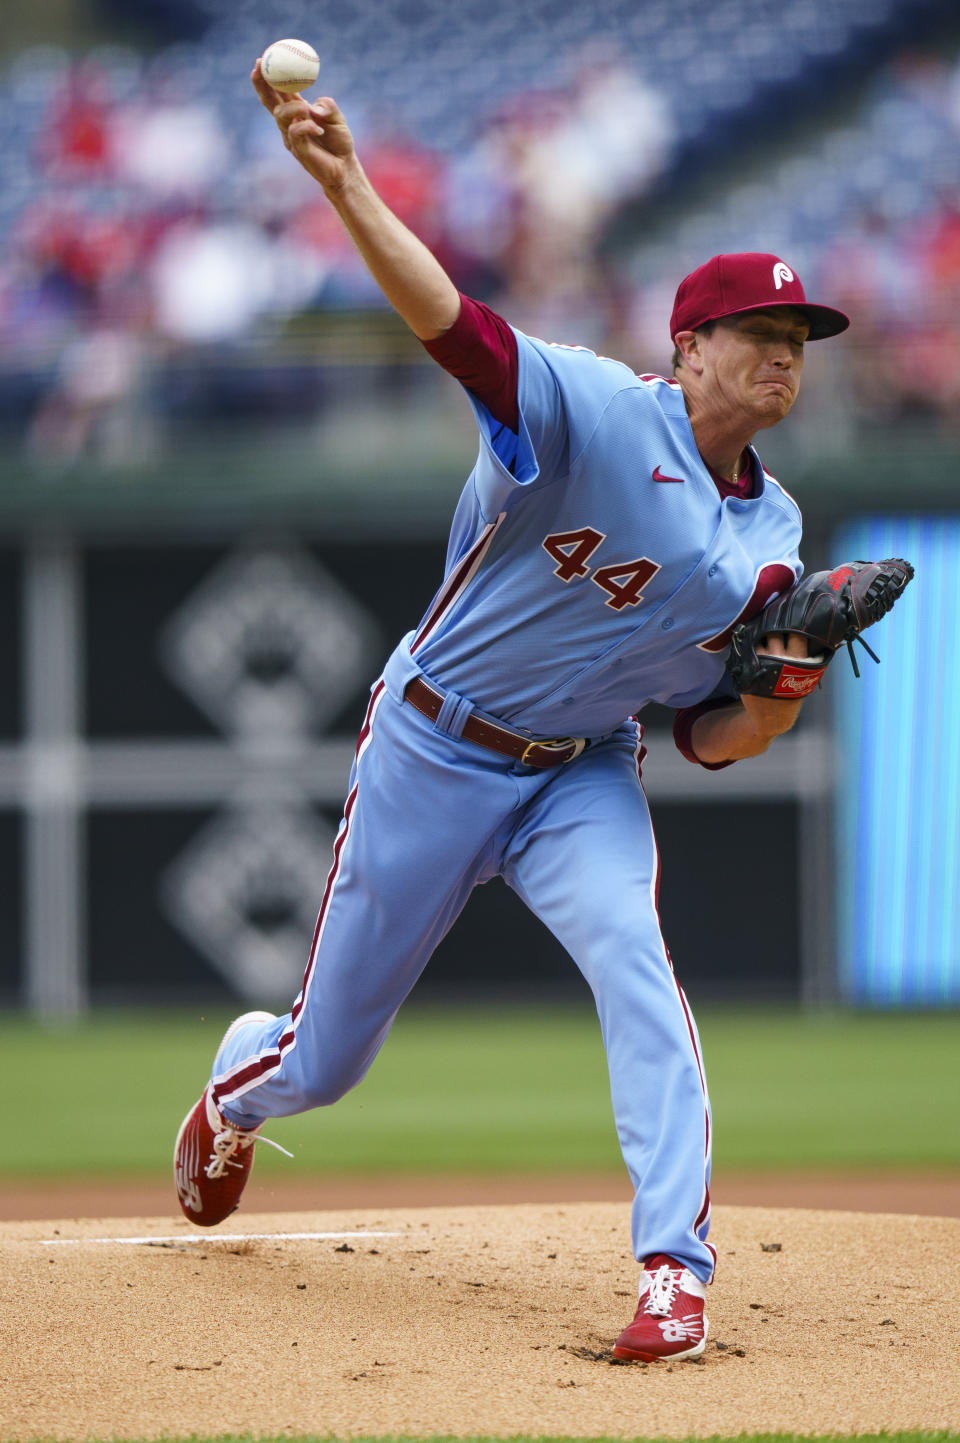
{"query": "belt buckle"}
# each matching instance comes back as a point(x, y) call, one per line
point(578, 744)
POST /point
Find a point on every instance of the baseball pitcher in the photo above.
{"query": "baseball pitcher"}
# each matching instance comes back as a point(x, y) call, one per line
point(617, 534)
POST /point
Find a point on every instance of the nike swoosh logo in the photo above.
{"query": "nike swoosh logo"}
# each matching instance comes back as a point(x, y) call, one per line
point(659, 476)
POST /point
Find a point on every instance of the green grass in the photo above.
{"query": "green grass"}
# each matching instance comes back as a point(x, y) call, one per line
point(515, 1090)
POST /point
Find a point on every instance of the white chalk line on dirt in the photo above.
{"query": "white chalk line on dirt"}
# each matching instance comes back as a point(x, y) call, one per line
point(212, 1238)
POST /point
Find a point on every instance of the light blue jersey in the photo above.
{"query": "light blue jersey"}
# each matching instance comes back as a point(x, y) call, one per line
point(592, 564)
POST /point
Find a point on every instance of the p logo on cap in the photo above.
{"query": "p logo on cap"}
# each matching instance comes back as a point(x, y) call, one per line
point(730, 284)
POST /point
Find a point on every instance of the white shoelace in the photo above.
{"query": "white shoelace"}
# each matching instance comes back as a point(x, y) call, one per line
point(662, 1291)
point(229, 1141)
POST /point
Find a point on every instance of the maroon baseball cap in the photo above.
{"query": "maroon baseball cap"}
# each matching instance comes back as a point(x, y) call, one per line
point(728, 285)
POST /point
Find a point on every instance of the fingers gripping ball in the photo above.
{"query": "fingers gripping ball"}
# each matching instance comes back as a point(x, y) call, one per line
point(290, 65)
point(828, 608)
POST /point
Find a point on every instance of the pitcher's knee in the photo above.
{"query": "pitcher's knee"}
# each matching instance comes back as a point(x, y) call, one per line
point(329, 1086)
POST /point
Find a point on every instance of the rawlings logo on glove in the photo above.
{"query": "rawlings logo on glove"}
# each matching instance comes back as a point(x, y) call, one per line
point(828, 608)
point(798, 683)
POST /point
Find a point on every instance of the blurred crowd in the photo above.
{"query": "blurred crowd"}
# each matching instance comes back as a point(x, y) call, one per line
point(161, 229)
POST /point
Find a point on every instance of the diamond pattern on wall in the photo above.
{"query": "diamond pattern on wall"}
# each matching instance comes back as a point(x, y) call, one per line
point(269, 645)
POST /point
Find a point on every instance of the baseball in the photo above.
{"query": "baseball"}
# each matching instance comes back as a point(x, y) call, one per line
point(290, 65)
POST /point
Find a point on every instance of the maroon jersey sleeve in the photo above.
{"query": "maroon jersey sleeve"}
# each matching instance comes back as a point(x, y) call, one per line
point(480, 350)
point(683, 720)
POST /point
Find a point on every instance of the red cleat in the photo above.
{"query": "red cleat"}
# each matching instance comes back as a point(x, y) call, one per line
point(669, 1321)
point(212, 1159)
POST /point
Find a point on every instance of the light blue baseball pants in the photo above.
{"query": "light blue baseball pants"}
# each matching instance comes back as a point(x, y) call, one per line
point(429, 816)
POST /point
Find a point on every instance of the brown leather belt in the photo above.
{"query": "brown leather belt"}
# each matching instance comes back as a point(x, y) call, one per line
point(549, 752)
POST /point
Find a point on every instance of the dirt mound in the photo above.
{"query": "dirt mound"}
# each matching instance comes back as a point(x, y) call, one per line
point(930, 1194)
point(482, 1320)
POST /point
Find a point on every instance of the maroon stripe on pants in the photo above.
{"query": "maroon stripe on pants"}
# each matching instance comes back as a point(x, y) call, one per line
point(268, 1060)
point(705, 1205)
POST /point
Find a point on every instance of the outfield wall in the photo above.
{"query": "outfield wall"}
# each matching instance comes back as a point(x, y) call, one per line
point(177, 719)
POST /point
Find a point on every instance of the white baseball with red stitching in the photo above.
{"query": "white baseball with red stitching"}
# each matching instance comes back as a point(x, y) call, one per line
point(290, 65)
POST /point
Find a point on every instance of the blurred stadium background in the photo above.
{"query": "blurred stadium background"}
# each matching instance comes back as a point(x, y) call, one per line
point(227, 470)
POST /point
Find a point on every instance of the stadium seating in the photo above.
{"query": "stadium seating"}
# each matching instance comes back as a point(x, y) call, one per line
point(121, 169)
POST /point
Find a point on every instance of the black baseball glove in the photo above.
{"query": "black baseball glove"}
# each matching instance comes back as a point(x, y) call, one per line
point(828, 608)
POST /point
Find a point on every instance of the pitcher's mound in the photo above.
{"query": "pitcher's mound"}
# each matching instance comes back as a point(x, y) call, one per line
point(470, 1321)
